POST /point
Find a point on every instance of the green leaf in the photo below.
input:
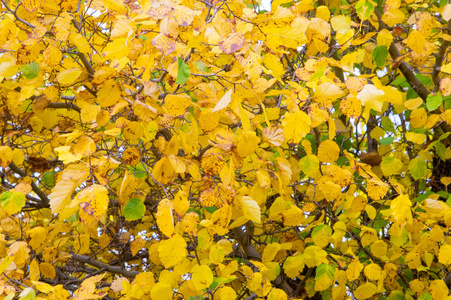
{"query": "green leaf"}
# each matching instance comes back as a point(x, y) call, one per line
point(12, 202)
point(425, 296)
point(387, 140)
point(433, 101)
point(28, 294)
point(309, 165)
point(364, 9)
point(31, 70)
point(387, 124)
point(48, 179)
point(138, 171)
point(390, 165)
point(134, 209)
point(142, 37)
point(396, 295)
point(319, 228)
point(417, 168)
point(201, 67)
point(440, 149)
point(183, 71)
point(318, 74)
point(324, 276)
point(211, 209)
point(380, 54)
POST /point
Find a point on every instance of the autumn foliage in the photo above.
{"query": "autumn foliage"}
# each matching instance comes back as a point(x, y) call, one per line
point(191, 149)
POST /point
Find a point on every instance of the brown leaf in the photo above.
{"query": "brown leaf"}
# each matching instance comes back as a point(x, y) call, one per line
point(372, 158)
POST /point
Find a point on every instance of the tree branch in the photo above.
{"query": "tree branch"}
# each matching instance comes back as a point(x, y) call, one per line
point(439, 60)
point(68, 105)
point(43, 196)
point(17, 17)
point(408, 73)
point(82, 56)
point(100, 265)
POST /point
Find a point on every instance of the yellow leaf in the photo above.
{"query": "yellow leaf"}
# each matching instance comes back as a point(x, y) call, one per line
point(164, 43)
point(47, 270)
point(294, 265)
point(164, 217)
point(341, 24)
point(202, 277)
point(444, 255)
point(65, 154)
point(181, 203)
point(446, 68)
point(293, 216)
point(69, 76)
point(109, 94)
point(232, 42)
point(81, 42)
point(6, 261)
point(330, 190)
point(384, 37)
point(416, 41)
point(263, 179)
point(85, 146)
point(353, 270)
point(176, 105)
point(121, 27)
point(418, 117)
point(328, 92)
point(71, 178)
point(365, 291)
point(133, 131)
point(438, 289)
point(417, 138)
point(328, 151)
point(18, 157)
point(379, 248)
point(161, 290)
point(250, 209)
point(163, 171)
point(226, 293)
point(37, 235)
point(373, 271)
point(225, 100)
point(371, 97)
point(247, 143)
point(208, 120)
point(392, 17)
point(296, 125)
point(172, 251)
point(35, 273)
point(93, 203)
point(43, 287)
point(400, 210)
point(89, 113)
point(445, 180)
point(6, 156)
point(413, 103)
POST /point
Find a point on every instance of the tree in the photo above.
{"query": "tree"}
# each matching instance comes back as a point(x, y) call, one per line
point(217, 150)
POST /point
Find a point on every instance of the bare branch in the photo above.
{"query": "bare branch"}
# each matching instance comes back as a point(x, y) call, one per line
point(100, 265)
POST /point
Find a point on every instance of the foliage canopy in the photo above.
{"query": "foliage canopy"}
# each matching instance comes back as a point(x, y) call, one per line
point(196, 149)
